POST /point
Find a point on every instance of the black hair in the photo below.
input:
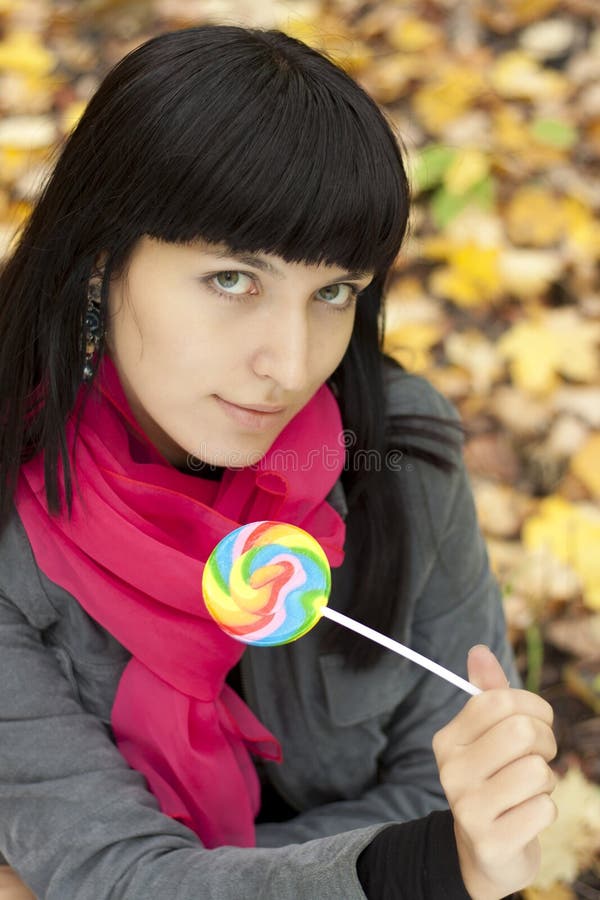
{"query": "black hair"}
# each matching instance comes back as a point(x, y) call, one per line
point(239, 136)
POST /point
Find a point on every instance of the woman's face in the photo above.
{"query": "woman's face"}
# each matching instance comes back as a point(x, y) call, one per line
point(201, 337)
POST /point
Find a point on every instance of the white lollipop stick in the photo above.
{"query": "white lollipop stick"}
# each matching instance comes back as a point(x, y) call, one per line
point(415, 657)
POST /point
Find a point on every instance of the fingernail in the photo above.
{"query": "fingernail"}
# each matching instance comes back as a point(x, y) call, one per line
point(475, 646)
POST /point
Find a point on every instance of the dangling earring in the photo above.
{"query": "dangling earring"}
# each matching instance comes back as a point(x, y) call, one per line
point(93, 327)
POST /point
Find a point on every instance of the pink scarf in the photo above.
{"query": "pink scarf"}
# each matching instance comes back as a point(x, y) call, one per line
point(133, 554)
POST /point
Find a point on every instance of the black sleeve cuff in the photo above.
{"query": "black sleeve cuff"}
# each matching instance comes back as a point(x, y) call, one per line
point(413, 861)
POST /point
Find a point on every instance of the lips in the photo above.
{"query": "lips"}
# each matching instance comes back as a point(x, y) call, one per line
point(254, 418)
point(257, 408)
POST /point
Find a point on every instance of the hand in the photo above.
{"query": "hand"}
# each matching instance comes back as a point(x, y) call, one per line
point(493, 764)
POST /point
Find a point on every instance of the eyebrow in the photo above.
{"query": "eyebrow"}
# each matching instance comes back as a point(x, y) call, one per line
point(252, 259)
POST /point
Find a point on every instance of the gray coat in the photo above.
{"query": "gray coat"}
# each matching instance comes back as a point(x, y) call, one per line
point(78, 824)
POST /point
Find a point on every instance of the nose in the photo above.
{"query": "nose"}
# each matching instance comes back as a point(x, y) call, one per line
point(283, 349)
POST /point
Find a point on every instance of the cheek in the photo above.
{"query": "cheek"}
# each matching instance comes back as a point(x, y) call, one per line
point(332, 345)
point(157, 333)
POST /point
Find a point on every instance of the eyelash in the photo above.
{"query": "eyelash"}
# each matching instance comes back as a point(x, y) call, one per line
point(247, 298)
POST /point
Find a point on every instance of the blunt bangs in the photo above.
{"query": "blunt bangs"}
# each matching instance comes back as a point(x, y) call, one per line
point(250, 139)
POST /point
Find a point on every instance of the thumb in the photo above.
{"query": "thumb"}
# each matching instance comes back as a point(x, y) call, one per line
point(484, 670)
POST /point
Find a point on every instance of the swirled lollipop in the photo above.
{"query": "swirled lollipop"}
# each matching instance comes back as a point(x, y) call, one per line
point(268, 583)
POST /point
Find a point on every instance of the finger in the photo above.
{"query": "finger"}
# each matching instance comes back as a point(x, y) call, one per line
point(484, 670)
point(523, 823)
point(513, 785)
point(482, 712)
point(508, 849)
point(509, 740)
point(518, 782)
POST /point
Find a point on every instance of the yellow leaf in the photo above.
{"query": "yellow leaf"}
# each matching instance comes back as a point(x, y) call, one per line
point(416, 334)
point(478, 263)
point(535, 217)
point(559, 342)
point(528, 273)
point(582, 229)
point(523, 151)
point(28, 94)
point(484, 227)
point(413, 359)
point(410, 343)
point(500, 509)
point(437, 247)
point(406, 302)
point(414, 35)
point(25, 132)
point(531, 10)
point(583, 402)
point(586, 464)
point(549, 39)
point(571, 532)
point(509, 15)
point(472, 276)
point(465, 170)
point(542, 579)
point(477, 355)
point(534, 355)
point(570, 843)
point(22, 52)
point(509, 128)
point(452, 381)
point(387, 76)
point(514, 74)
point(447, 96)
point(446, 282)
point(12, 164)
point(579, 340)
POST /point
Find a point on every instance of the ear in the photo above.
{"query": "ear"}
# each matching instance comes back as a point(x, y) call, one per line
point(99, 264)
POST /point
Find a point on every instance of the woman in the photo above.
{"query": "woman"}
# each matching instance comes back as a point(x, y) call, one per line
point(189, 340)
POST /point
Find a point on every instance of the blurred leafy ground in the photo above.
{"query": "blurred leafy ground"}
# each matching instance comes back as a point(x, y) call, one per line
point(496, 295)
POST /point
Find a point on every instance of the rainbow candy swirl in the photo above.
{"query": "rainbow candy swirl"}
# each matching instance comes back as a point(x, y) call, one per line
point(266, 583)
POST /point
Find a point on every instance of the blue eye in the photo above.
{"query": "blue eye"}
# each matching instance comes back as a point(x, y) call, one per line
point(233, 282)
point(338, 295)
